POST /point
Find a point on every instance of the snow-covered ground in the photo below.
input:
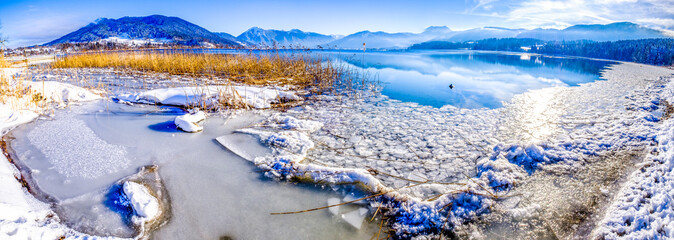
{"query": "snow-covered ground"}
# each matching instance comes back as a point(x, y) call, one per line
point(643, 207)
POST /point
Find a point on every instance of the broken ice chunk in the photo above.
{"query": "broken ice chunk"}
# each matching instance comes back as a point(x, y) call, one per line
point(143, 203)
point(333, 201)
point(188, 122)
point(416, 176)
point(355, 218)
point(351, 197)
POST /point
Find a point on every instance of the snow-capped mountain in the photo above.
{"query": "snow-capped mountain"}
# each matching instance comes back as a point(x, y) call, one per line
point(294, 38)
point(155, 28)
point(389, 40)
point(595, 32)
point(482, 33)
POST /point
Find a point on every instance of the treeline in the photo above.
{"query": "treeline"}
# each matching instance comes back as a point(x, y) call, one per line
point(649, 51)
point(491, 44)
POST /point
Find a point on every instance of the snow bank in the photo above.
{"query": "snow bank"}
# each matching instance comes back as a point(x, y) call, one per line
point(643, 208)
point(144, 204)
point(211, 96)
point(62, 93)
point(189, 122)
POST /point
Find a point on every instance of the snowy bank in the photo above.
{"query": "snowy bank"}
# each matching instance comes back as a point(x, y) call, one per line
point(643, 207)
point(212, 96)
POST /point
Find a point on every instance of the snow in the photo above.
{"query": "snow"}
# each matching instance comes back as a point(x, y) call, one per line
point(23, 216)
point(144, 204)
point(62, 93)
point(189, 122)
point(211, 96)
point(643, 207)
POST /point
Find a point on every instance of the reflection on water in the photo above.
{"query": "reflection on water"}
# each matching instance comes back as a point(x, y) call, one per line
point(480, 79)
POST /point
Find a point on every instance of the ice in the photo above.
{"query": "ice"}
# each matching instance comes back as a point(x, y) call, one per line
point(355, 218)
point(74, 150)
point(465, 158)
point(240, 145)
point(144, 204)
point(334, 209)
point(189, 122)
point(352, 198)
point(23, 216)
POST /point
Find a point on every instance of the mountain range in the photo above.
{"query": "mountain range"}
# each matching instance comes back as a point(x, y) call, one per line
point(162, 29)
point(157, 28)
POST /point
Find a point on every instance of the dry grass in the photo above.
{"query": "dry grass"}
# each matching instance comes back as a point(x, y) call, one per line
point(3, 62)
point(295, 70)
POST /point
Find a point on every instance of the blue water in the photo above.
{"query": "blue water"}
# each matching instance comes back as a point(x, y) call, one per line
point(480, 79)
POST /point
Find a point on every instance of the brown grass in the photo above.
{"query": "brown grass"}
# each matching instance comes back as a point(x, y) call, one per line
point(3, 62)
point(297, 71)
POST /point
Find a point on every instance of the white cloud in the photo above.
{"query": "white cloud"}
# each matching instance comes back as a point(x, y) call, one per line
point(559, 14)
point(39, 29)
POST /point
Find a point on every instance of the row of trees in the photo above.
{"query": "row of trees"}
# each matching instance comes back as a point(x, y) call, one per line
point(649, 51)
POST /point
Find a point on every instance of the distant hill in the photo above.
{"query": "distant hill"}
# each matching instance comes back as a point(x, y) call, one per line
point(596, 32)
point(294, 38)
point(155, 28)
point(388, 40)
point(483, 33)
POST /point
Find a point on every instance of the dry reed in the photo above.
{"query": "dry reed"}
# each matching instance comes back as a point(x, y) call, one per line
point(294, 70)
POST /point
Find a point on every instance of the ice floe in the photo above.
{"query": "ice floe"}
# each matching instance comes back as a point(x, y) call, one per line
point(144, 204)
point(190, 121)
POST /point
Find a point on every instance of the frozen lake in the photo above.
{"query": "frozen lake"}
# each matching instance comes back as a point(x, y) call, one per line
point(213, 192)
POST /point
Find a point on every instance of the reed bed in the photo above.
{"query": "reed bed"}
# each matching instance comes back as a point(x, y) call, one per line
point(297, 71)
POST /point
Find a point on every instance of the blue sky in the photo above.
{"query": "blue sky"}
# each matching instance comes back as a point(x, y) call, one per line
point(34, 22)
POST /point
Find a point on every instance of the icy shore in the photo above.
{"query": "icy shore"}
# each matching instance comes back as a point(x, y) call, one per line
point(439, 168)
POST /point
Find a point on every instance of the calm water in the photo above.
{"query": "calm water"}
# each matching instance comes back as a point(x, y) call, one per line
point(480, 79)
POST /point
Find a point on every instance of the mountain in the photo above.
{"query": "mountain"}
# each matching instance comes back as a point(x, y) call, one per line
point(483, 33)
point(595, 32)
point(155, 28)
point(389, 40)
point(293, 38)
